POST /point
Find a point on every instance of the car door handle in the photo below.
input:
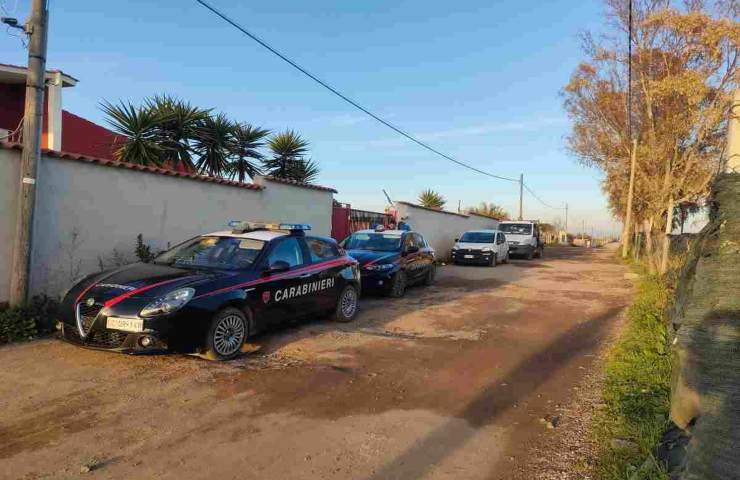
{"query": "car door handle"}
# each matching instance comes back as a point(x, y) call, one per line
point(306, 275)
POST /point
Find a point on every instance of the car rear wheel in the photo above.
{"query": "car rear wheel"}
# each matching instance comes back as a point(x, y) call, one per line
point(398, 286)
point(226, 335)
point(347, 304)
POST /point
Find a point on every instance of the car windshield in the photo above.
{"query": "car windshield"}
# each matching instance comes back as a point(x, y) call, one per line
point(516, 228)
point(381, 242)
point(477, 237)
point(213, 252)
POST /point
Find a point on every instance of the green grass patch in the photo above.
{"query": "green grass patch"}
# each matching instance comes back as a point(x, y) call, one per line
point(636, 389)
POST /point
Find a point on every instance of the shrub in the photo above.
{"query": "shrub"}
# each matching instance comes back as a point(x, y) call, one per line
point(143, 251)
point(23, 323)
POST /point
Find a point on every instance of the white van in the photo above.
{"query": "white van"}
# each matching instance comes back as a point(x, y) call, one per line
point(524, 238)
point(481, 246)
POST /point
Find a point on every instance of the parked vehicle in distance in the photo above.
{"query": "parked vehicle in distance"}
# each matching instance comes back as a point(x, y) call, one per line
point(210, 293)
point(391, 260)
point(488, 247)
point(524, 238)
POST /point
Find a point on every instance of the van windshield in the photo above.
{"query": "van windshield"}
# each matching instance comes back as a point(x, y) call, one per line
point(477, 237)
point(516, 228)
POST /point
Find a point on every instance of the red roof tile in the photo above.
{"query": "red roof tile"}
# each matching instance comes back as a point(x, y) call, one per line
point(299, 184)
point(131, 166)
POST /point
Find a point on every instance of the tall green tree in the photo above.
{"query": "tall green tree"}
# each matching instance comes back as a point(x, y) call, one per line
point(431, 199)
point(213, 145)
point(246, 142)
point(305, 170)
point(288, 160)
point(178, 123)
point(138, 128)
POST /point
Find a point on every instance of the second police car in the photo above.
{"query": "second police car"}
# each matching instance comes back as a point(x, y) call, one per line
point(391, 260)
point(210, 293)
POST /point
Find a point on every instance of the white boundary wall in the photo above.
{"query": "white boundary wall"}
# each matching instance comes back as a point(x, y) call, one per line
point(441, 228)
point(88, 213)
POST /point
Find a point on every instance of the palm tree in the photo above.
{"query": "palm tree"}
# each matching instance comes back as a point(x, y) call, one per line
point(490, 210)
point(179, 123)
point(138, 126)
point(287, 148)
point(304, 171)
point(245, 144)
point(431, 199)
point(213, 144)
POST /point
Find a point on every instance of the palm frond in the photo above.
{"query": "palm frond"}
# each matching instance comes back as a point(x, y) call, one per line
point(212, 144)
point(245, 144)
point(138, 127)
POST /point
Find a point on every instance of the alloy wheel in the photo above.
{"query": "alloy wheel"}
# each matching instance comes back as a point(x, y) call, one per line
point(229, 334)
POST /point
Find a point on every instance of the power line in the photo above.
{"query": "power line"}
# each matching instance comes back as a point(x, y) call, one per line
point(526, 187)
point(336, 92)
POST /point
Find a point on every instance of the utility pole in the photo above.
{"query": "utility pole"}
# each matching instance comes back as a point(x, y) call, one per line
point(36, 28)
point(566, 218)
point(628, 216)
point(521, 196)
point(583, 234)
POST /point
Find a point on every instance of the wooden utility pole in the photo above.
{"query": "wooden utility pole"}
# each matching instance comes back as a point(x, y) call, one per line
point(36, 28)
point(521, 196)
point(566, 218)
point(628, 215)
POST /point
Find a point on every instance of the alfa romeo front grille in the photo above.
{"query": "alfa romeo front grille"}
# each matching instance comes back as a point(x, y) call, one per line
point(86, 315)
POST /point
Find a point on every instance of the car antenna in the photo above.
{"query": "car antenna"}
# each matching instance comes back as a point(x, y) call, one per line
point(388, 197)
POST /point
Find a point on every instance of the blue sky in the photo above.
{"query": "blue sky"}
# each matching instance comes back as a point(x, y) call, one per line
point(478, 79)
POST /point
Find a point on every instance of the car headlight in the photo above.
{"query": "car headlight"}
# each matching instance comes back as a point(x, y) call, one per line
point(455, 248)
point(382, 267)
point(486, 249)
point(169, 303)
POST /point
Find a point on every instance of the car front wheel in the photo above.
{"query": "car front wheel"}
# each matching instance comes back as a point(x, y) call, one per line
point(227, 334)
point(347, 304)
point(398, 285)
point(494, 261)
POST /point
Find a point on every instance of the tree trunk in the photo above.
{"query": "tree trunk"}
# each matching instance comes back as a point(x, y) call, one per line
point(667, 236)
point(649, 244)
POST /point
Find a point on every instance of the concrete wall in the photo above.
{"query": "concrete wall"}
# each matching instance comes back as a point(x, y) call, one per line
point(9, 178)
point(89, 214)
point(287, 203)
point(441, 228)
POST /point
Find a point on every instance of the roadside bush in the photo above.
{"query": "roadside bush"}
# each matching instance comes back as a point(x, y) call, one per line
point(16, 325)
point(23, 323)
point(636, 389)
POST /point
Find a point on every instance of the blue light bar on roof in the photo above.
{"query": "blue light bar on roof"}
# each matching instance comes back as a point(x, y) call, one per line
point(240, 225)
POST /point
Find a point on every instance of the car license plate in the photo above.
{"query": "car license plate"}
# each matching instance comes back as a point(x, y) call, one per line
point(468, 256)
point(125, 324)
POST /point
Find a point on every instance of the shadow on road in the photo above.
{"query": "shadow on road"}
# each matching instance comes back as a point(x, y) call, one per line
point(495, 399)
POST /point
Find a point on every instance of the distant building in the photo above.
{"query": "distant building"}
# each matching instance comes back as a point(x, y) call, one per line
point(62, 131)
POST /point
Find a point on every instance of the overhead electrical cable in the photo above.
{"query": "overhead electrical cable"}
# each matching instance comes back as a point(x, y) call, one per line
point(526, 187)
point(339, 94)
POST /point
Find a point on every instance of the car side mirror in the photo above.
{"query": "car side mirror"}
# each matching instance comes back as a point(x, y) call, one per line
point(277, 267)
point(457, 240)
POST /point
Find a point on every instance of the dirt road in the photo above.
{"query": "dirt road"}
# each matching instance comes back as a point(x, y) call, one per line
point(449, 382)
